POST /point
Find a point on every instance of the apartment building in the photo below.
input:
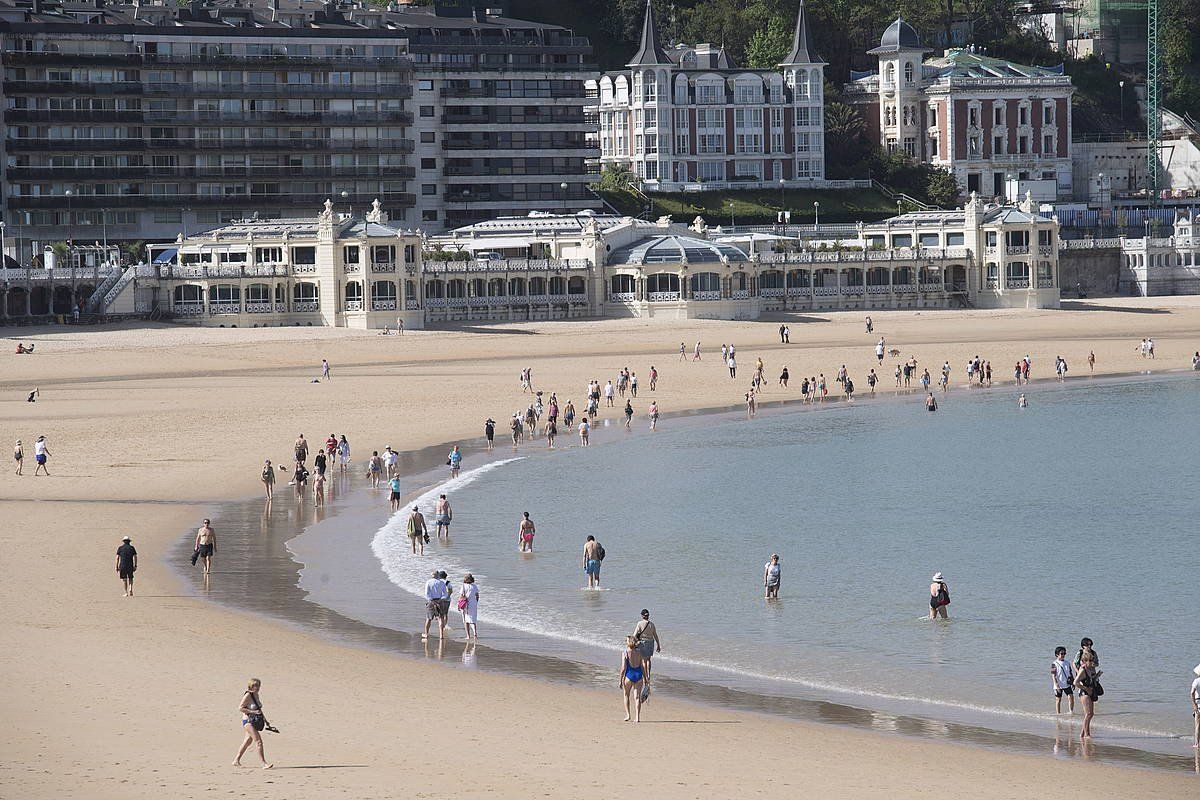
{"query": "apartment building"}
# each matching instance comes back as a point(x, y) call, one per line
point(145, 120)
point(689, 118)
point(1001, 128)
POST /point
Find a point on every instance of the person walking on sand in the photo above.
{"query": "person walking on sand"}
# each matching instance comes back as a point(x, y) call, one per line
point(652, 412)
point(525, 532)
point(732, 364)
point(696, 352)
point(437, 604)
point(781, 334)
point(374, 468)
point(653, 378)
point(443, 515)
point(253, 723)
point(1091, 361)
point(879, 347)
point(771, 577)
point(783, 377)
point(1087, 681)
point(870, 325)
point(872, 379)
point(1062, 678)
point(18, 456)
point(608, 394)
point(584, 432)
point(126, 565)
point(41, 454)
point(787, 334)
point(682, 351)
point(301, 449)
point(646, 636)
point(394, 494)
point(324, 369)
point(593, 556)
point(417, 532)
point(206, 545)
point(628, 414)
point(939, 597)
point(633, 679)
point(468, 605)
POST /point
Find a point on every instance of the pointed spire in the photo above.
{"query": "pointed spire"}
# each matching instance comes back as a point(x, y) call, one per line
point(802, 46)
point(651, 51)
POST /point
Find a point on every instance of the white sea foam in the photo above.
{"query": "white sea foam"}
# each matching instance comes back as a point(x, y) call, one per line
point(508, 609)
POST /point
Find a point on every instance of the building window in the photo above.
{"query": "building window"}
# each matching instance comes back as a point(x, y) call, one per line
point(910, 146)
point(1022, 144)
point(1048, 114)
point(429, 216)
point(426, 111)
point(908, 72)
point(709, 143)
point(711, 170)
point(1048, 147)
point(998, 114)
point(707, 93)
point(428, 137)
point(972, 117)
point(997, 145)
point(428, 189)
point(891, 144)
point(681, 143)
point(428, 163)
point(1023, 115)
point(933, 147)
point(304, 255)
point(933, 116)
point(350, 254)
point(425, 86)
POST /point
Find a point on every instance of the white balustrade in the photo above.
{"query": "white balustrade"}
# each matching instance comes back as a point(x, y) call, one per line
point(1018, 283)
point(740, 294)
point(301, 306)
point(304, 269)
point(383, 305)
point(1045, 283)
point(664, 297)
point(188, 309)
point(354, 305)
point(825, 291)
point(224, 307)
point(383, 268)
point(622, 297)
point(910, 288)
point(775, 291)
point(878, 288)
point(259, 308)
point(707, 294)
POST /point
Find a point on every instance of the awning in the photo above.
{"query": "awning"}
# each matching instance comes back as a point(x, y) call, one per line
point(166, 256)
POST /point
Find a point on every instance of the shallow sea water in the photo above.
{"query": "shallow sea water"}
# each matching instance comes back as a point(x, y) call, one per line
point(1072, 517)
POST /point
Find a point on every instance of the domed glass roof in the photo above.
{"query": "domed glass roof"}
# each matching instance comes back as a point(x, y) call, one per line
point(674, 250)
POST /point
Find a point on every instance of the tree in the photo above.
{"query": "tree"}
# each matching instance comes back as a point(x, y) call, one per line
point(847, 148)
point(133, 251)
point(940, 187)
point(615, 178)
point(769, 46)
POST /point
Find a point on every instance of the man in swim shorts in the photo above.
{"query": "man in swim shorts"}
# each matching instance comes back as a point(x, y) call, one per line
point(417, 531)
point(593, 554)
point(443, 515)
point(126, 565)
point(436, 603)
point(206, 545)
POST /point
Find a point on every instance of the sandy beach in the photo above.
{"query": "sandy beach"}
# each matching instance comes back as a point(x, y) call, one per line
point(150, 427)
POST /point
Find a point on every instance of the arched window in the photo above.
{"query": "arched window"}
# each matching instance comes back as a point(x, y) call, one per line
point(433, 288)
point(305, 296)
point(802, 83)
point(456, 288)
point(908, 72)
point(576, 286)
point(706, 286)
point(663, 283)
point(495, 287)
point(558, 285)
point(188, 293)
point(622, 284)
point(889, 74)
point(258, 293)
point(537, 285)
point(798, 279)
point(354, 293)
point(516, 287)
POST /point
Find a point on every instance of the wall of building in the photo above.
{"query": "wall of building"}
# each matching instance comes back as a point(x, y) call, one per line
point(1124, 166)
point(1095, 271)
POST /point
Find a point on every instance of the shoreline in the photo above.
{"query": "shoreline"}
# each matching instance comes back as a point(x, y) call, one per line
point(290, 601)
point(153, 426)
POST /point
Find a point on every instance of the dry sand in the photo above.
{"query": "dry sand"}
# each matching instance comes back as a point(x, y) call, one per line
point(104, 696)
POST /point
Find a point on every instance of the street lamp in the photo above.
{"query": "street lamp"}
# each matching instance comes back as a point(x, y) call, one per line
point(1122, 85)
point(782, 198)
point(731, 216)
point(3, 260)
point(816, 214)
point(564, 187)
point(70, 221)
point(346, 197)
point(898, 212)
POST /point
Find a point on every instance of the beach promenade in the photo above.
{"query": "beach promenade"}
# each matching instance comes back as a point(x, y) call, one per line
point(150, 427)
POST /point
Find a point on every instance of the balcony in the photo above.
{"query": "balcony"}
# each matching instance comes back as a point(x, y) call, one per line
point(402, 199)
point(354, 305)
point(272, 118)
point(383, 305)
point(383, 267)
point(305, 306)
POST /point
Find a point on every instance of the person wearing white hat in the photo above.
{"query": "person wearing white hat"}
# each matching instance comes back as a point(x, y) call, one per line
point(40, 454)
point(939, 597)
point(1196, 706)
point(19, 455)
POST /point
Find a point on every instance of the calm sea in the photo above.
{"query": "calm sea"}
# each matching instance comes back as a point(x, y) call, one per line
point(1073, 517)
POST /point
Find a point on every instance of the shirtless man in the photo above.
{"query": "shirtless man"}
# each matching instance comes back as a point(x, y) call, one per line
point(591, 562)
point(206, 545)
point(443, 515)
point(416, 531)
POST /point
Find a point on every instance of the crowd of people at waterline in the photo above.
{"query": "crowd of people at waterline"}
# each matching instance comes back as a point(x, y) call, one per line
point(539, 420)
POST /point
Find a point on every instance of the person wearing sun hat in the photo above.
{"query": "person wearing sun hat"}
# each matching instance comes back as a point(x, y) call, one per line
point(1196, 706)
point(939, 597)
point(126, 564)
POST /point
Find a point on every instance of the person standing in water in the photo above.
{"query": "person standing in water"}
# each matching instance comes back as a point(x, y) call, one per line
point(1022, 402)
point(771, 577)
point(633, 678)
point(593, 555)
point(489, 432)
point(939, 597)
point(1091, 361)
point(1195, 698)
point(1087, 681)
point(268, 479)
point(468, 605)
point(646, 636)
point(206, 545)
point(584, 432)
point(394, 493)
point(443, 515)
point(343, 451)
point(455, 461)
point(1062, 677)
point(525, 533)
point(417, 532)
point(931, 402)
point(253, 723)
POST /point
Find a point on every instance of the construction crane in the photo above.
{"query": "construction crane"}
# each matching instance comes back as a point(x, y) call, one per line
point(1153, 97)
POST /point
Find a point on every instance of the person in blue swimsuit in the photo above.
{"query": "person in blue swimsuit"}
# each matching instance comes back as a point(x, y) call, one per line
point(632, 676)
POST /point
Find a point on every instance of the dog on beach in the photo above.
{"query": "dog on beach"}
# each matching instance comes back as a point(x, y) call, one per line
point(894, 352)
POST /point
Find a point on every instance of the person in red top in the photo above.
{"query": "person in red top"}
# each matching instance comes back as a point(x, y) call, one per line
point(331, 445)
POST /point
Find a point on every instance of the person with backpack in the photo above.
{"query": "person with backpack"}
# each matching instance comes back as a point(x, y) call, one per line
point(939, 597)
point(593, 557)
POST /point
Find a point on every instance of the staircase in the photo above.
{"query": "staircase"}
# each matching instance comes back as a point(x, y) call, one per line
point(99, 298)
point(111, 290)
point(894, 196)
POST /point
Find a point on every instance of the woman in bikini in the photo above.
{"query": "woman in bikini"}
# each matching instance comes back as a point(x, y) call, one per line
point(253, 722)
point(633, 675)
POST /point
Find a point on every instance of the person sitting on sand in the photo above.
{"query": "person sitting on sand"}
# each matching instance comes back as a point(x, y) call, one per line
point(253, 723)
point(20, 349)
